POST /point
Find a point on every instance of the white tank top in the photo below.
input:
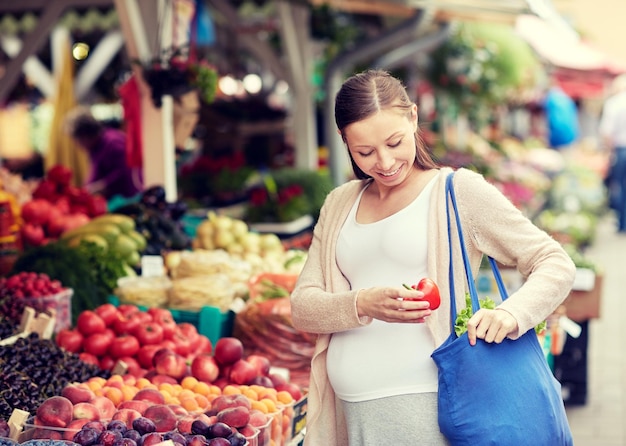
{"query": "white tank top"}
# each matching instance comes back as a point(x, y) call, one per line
point(383, 359)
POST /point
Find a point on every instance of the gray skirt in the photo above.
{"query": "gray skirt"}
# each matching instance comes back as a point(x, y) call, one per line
point(409, 420)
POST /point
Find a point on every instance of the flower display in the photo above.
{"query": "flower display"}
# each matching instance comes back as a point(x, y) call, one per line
point(175, 73)
point(281, 205)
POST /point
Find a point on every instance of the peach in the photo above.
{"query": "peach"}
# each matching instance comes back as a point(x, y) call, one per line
point(149, 395)
point(234, 416)
point(163, 417)
point(184, 424)
point(138, 405)
point(151, 438)
point(170, 364)
point(226, 401)
point(292, 388)
point(258, 418)
point(158, 379)
point(55, 411)
point(77, 393)
point(86, 411)
point(127, 416)
point(105, 406)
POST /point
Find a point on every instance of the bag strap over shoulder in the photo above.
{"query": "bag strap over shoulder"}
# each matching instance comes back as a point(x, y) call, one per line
point(451, 201)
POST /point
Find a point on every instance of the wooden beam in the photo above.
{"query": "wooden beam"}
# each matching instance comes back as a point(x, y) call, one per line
point(368, 7)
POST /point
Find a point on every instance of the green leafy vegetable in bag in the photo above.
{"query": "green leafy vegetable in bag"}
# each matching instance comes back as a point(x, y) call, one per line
point(460, 325)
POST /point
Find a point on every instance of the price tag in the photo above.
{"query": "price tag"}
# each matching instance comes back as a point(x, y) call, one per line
point(152, 266)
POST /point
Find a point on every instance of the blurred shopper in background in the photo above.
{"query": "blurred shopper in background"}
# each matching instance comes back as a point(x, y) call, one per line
point(562, 118)
point(613, 133)
point(109, 174)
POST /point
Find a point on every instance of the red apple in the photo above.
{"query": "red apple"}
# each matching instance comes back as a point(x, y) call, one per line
point(242, 372)
point(149, 395)
point(55, 411)
point(263, 381)
point(86, 411)
point(105, 406)
point(277, 379)
point(162, 416)
point(127, 416)
point(228, 350)
point(261, 363)
point(77, 393)
point(205, 368)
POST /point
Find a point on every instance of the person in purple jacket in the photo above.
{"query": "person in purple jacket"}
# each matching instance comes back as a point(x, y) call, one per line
point(109, 175)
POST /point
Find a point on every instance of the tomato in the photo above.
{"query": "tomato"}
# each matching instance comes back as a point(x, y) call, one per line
point(143, 317)
point(126, 324)
point(189, 331)
point(182, 343)
point(124, 345)
point(156, 312)
point(89, 322)
point(146, 353)
point(127, 309)
point(431, 292)
point(70, 340)
point(89, 359)
point(97, 344)
point(108, 312)
point(165, 319)
point(149, 333)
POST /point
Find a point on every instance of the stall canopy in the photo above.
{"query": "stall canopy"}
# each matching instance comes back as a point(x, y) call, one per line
point(578, 67)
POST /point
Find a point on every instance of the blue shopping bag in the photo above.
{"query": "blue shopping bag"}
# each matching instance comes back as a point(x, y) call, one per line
point(495, 394)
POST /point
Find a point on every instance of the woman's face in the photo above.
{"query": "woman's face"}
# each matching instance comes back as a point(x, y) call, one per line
point(383, 145)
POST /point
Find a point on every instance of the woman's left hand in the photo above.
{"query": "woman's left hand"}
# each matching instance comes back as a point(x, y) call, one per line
point(490, 325)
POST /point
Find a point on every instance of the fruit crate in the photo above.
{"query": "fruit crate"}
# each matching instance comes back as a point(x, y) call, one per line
point(34, 432)
point(210, 321)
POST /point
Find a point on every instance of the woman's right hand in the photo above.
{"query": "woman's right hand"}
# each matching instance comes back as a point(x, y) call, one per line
point(391, 304)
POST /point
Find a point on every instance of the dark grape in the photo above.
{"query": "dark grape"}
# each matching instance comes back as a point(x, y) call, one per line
point(219, 430)
point(38, 369)
point(144, 425)
point(125, 442)
point(117, 425)
point(237, 439)
point(175, 436)
point(133, 435)
point(200, 427)
point(86, 437)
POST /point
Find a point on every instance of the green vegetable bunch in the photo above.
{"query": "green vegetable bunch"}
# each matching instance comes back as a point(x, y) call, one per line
point(460, 325)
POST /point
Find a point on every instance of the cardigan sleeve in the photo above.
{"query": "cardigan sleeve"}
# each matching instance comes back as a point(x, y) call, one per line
point(322, 301)
point(495, 227)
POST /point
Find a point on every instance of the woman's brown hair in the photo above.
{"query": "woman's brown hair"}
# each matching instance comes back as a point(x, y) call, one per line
point(367, 93)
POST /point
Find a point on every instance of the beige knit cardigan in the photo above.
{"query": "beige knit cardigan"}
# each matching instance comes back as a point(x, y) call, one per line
point(323, 302)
